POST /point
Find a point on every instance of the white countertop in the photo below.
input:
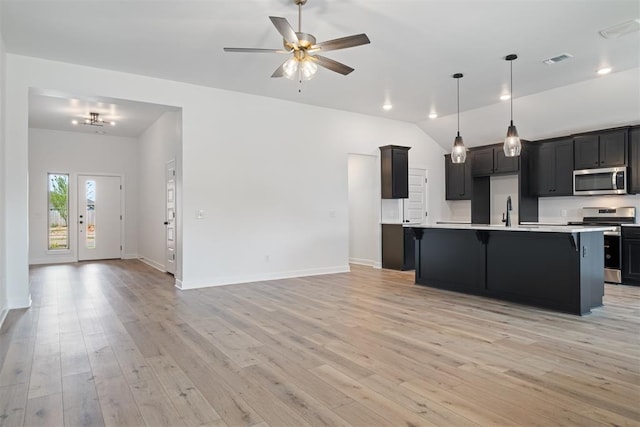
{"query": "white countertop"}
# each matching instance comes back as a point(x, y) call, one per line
point(630, 225)
point(516, 227)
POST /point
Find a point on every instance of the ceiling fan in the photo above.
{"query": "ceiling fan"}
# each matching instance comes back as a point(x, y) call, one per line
point(304, 62)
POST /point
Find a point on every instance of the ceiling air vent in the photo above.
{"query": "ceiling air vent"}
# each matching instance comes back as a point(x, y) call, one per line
point(557, 58)
point(620, 30)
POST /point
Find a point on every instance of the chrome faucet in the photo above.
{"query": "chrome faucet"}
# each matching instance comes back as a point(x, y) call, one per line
point(507, 220)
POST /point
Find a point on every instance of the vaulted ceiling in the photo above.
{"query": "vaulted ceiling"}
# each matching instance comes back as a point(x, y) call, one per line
point(415, 47)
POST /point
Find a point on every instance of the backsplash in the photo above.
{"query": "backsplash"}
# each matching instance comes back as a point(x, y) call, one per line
point(563, 209)
point(501, 187)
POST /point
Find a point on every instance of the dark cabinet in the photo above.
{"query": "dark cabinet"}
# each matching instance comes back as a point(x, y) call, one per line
point(491, 160)
point(634, 161)
point(631, 256)
point(394, 171)
point(398, 247)
point(482, 161)
point(457, 179)
point(600, 150)
point(553, 170)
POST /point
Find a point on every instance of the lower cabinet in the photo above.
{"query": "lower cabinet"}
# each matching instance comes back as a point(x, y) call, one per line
point(631, 256)
point(398, 247)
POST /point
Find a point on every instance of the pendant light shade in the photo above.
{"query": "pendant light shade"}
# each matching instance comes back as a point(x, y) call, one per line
point(459, 151)
point(512, 144)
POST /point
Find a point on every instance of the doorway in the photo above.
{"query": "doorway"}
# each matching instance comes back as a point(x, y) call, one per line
point(364, 207)
point(99, 217)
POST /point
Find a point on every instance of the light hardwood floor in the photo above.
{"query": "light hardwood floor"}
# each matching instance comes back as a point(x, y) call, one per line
point(114, 343)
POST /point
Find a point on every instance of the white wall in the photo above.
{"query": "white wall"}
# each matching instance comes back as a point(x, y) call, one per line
point(78, 153)
point(159, 144)
point(3, 284)
point(271, 175)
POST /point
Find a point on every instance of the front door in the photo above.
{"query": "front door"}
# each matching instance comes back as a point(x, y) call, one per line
point(99, 217)
point(170, 219)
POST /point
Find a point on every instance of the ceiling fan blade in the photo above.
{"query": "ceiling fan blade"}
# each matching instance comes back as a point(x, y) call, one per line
point(332, 65)
point(341, 43)
point(279, 72)
point(284, 28)
point(254, 50)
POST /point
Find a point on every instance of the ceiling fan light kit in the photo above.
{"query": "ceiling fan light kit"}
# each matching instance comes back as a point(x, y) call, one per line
point(304, 60)
point(512, 145)
point(459, 151)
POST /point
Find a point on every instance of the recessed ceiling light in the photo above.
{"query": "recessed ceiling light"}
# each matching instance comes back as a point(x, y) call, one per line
point(387, 107)
point(433, 115)
point(74, 122)
point(505, 97)
point(604, 70)
point(113, 123)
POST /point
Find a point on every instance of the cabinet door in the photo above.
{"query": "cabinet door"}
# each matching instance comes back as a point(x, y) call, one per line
point(613, 148)
point(482, 162)
point(631, 255)
point(586, 154)
point(504, 164)
point(563, 168)
point(634, 160)
point(457, 179)
point(394, 172)
point(545, 169)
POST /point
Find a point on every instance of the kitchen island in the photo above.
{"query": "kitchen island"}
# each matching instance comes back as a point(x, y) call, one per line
point(555, 267)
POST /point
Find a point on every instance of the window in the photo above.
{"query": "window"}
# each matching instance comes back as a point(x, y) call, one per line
point(58, 211)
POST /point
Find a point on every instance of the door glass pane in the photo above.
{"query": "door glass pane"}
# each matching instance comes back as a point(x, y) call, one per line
point(90, 214)
point(58, 210)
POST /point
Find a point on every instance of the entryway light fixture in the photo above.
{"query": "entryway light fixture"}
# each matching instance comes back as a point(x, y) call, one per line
point(94, 119)
point(512, 145)
point(459, 151)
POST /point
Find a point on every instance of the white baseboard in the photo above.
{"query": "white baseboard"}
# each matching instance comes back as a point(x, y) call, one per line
point(3, 315)
point(222, 281)
point(53, 260)
point(152, 263)
point(16, 303)
point(360, 261)
point(130, 256)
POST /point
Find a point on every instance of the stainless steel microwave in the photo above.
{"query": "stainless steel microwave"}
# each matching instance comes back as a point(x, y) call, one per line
point(590, 182)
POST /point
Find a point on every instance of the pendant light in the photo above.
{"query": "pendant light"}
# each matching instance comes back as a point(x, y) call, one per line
point(459, 151)
point(512, 145)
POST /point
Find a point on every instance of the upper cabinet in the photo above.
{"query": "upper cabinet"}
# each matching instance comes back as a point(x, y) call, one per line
point(634, 160)
point(553, 168)
point(394, 172)
point(491, 160)
point(600, 150)
point(458, 179)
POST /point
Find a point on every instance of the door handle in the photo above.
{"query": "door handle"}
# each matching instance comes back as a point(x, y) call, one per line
point(81, 222)
point(166, 223)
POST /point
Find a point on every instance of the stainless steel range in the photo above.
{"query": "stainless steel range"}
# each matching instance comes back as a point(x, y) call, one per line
point(614, 217)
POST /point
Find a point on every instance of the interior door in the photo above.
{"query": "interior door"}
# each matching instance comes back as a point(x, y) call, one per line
point(170, 219)
point(99, 217)
point(415, 207)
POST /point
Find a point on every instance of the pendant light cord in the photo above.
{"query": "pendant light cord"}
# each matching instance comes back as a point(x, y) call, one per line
point(511, 67)
point(458, 81)
point(299, 17)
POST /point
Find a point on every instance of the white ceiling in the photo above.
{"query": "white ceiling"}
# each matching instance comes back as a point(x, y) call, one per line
point(416, 45)
point(54, 110)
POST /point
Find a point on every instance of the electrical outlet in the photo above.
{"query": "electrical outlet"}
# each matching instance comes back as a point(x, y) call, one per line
point(200, 214)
